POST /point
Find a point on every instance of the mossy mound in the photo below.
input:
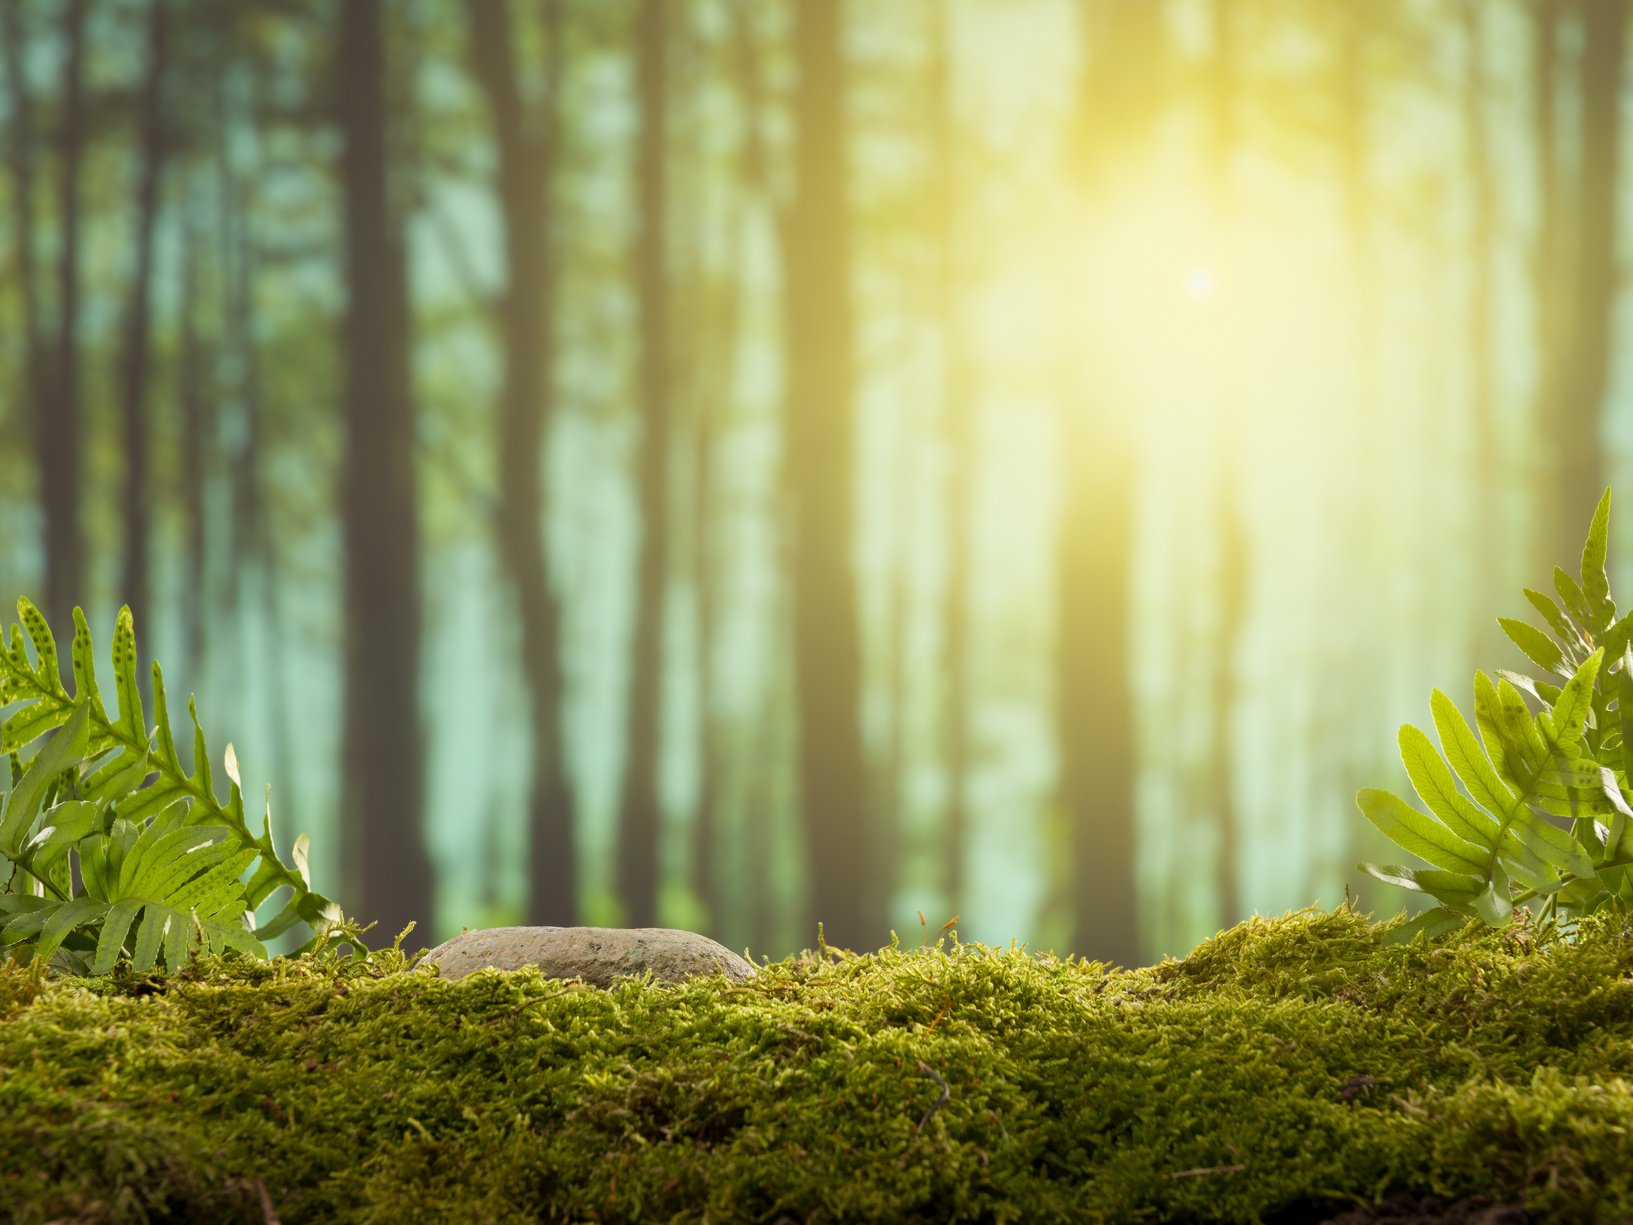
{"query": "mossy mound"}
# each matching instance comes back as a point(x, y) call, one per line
point(1286, 1070)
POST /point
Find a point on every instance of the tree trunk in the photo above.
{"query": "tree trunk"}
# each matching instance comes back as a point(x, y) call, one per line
point(384, 738)
point(1230, 579)
point(1230, 584)
point(641, 815)
point(1095, 723)
point(1552, 257)
point(1582, 470)
point(196, 426)
point(57, 417)
point(527, 150)
point(821, 466)
point(1490, 475)
point(20, 162)
point(958, 429)
point(135, 584)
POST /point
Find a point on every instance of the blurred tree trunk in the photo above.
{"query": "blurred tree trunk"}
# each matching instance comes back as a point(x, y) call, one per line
point(710, 389)
point(138, 341)
point(1095, 722)
point(20, 163)
point(1582, 470)
point(197, 424)
point(1490, 475)
point(57, 416)
point(527, 151)
point(1231, 557)
point(820, 472)
point(641, 814)
point(769, 746)
point(957, 392)
point(384, 739)
point(1552, 257)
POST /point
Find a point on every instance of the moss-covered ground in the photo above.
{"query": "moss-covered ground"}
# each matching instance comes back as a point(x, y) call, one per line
point(1286, 1070)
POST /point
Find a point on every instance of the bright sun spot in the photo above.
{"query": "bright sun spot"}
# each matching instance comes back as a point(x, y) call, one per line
point(1201, 283)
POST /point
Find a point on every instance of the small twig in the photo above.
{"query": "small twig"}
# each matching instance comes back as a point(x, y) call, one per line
point(939, 1102)
point(268, 1216)
point(511, 1014)
point(1204, 1171)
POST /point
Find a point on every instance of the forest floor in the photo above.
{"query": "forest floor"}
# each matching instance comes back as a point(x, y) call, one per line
point(1289, 1070)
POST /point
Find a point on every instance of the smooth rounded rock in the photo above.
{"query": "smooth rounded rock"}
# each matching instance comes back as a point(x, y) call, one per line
point(598, 955)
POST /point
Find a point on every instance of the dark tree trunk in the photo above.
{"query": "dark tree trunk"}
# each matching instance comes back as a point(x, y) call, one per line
point(527, 147)
point(769, 748)
point(1095, 694)
point(135, 585)
point(57, 416)
point(1097, 749)
point(958, 428)
point(821, 466)
point(1582, 469)
point(641, 815)
point(708, 393)
point(196, 426)
point(20, 163)
point(384, 738)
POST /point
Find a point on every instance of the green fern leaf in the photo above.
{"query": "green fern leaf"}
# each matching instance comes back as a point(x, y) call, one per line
point(1595, 581)
point(160, 854)
point(1576, 604)
point(1538, 647)
point(1544, 693)
point(1568, 634)
point(45, 648)
point(60, 753)
point(1431, 923)
point(1422, 835)
point(1433, 782)
point(1452, 888)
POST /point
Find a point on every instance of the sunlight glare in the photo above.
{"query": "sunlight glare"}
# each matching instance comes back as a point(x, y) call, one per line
point(1201, 284)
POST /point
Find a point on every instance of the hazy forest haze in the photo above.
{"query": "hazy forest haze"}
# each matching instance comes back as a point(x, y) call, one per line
point(735, 464)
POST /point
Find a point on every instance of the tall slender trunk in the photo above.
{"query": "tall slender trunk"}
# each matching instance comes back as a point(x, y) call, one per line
point(957, 396)
point(1582, 470)
point(527, 151)
point(767, 748)
point(821, 467)
point(197, 425)
point(641, 814)
point(384, 737)
point(709, 389)
point(1094, 720)
point(1490, 471)
point(57, 416)
point(20, 164)
point(135, 579)
point(1230, 583)
point(1348, 759)
point(1552, 255)
point(1230, 574)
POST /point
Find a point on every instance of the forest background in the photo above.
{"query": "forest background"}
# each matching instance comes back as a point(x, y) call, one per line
point(735, 464)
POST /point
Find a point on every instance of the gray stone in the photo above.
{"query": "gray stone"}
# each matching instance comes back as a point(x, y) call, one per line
point(598, 955)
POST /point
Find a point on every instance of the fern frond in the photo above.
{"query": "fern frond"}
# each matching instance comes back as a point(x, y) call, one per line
point(1492, 797)
point(160, 854)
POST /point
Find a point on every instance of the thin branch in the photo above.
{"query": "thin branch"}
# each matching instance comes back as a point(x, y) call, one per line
point(1207, 1170)
point(941, 1101)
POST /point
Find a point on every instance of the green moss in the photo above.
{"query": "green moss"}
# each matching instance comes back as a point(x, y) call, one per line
point(1286, 1065)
